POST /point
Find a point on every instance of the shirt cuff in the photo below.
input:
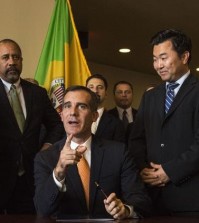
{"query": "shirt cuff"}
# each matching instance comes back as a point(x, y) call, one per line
point(60, 184)
point(132, 214)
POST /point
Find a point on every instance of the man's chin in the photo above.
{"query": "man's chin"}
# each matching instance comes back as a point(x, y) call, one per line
point(12, 77)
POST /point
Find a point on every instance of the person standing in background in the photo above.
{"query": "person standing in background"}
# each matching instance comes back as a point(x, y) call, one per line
point(24, 108)
point(106, 126)
point(123, 96)
point(165, 139)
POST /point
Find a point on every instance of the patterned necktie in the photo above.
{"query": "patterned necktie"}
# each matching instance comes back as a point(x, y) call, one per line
point(125, 119)
point(84, 173)
point(170, 95)
point(16, 106)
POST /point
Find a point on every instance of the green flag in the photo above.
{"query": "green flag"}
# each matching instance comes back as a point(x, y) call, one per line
point(62, 62)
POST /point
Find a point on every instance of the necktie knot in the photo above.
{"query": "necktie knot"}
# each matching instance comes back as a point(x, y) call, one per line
point(172, 86)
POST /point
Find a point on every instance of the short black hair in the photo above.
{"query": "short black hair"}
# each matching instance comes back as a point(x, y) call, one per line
point(11, 41)
point(94, 102)
point(98, 76)
point(122, 82)
point(179, 40)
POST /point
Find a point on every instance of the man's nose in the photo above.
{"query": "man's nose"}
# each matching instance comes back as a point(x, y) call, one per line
point(73, 111)
point(11, 60)
point(160, 64)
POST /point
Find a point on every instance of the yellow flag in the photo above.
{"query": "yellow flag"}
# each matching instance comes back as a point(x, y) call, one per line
point(62, 62)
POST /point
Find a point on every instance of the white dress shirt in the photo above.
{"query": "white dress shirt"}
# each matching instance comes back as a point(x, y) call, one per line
point(96, 123)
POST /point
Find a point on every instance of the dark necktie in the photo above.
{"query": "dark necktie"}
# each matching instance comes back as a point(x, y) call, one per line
point(125, 119)
point(16, 106)
point(170, 95)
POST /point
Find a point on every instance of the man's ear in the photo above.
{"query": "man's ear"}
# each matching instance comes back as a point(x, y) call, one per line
point(185, 57)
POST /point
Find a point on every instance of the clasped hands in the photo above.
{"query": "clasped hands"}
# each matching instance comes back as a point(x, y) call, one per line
point(154, 176)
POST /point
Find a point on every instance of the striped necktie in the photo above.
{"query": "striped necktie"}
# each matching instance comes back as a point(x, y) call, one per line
point(170, 95)
point(84, 173)
point(16, 106)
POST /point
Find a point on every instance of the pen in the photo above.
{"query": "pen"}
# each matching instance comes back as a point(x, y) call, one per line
point(98, 186)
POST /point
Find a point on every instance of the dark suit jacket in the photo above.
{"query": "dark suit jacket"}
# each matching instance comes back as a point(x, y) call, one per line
point(115, 113)
point(13, 143)
point(111, 167)
point(110, 128)
point(173, 141)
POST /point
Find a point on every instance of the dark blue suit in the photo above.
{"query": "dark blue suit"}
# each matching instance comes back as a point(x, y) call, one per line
point(110, 128)
point(111, 167)
point(172, 140)
point(115, 113)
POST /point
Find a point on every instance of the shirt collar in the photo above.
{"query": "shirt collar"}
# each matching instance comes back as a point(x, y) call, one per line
point(120, 110)
point(7, 85)
point(181, 80)
point(87, 143)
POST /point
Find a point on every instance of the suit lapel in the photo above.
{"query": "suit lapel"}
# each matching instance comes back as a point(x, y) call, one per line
point(160, 101)
point(102, 123)
point(28, 94)
point(97, 154)
point(75, 181)
point(4, 103)
point(186, 87)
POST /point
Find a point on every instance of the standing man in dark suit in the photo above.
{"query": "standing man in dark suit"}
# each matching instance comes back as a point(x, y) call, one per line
point(106, 126)
point(123, 96)
point(20, 140)
point(165, 140)
point(59, 189)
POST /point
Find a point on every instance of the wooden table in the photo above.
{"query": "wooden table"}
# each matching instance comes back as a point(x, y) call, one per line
point(34, 219)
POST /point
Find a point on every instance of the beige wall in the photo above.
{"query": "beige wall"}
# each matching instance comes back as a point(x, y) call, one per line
point(139, 81)
point(27, 23)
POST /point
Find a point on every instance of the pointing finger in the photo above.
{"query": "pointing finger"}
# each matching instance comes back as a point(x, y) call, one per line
point(68, 141)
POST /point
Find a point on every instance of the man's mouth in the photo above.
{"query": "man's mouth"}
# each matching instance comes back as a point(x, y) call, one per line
point(13, 70)
point(73, 122)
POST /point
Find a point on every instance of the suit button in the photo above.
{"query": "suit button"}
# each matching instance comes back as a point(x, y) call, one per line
point(162, 145)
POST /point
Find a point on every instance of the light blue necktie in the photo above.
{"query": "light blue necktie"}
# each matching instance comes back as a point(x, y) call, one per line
point(170, 95)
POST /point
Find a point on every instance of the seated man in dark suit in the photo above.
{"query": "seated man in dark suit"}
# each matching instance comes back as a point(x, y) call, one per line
point(106, 126)
point(60, 188)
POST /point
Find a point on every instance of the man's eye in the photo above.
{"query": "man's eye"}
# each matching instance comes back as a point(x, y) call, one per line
point(16, 57)
point(5, 57)
point(100, 87)
point(82, 107)
point(66, 105)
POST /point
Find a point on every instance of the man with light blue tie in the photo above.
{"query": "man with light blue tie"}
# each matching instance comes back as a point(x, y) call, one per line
point(165, 137)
